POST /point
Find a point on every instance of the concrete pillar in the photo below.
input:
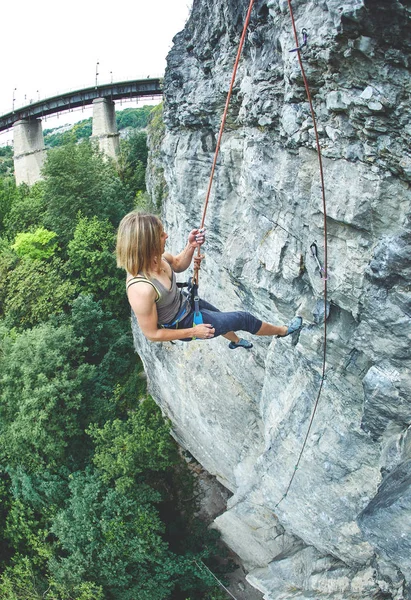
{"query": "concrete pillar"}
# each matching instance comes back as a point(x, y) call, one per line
point(29, 150)
point(105, 127)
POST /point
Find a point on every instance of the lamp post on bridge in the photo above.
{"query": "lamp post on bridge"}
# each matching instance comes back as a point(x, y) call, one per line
point(14, 97)
point(97, 64)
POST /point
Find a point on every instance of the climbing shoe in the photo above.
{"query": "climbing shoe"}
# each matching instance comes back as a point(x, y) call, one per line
point(294, 326)
point(240, 344)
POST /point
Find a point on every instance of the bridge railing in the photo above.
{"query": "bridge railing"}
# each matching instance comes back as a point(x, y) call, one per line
point(138, 88)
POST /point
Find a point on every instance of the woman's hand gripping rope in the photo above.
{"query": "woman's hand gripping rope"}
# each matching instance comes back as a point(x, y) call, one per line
point(196, 239)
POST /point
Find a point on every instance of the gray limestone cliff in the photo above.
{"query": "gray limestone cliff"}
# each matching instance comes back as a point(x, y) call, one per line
point(344, 529)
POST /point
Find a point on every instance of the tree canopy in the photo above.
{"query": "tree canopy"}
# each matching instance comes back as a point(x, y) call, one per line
point(94, 495)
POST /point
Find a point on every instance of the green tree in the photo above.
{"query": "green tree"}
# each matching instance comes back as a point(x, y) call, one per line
point(8, 261)
point(134, 154)
point(92, 264)
point(83, 129)
point(27, 534)
point(137, 118)
point(6, 161)
point(79, 179)
point(5, 504)
point(54, 137)
point(38, 245)
point(108, 345)
point(35, 290)
point(142, 443)
point(8, 193)
point(43, 383)
point(20, 581)
point(27, 209)
point(111, 539)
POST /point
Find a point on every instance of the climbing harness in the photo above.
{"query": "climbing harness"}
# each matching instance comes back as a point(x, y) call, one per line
point(174, 324)
point(314, 252)
point(322, 270)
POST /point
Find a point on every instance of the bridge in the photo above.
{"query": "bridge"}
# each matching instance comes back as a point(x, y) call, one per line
point(29, 149)
point(138, 88)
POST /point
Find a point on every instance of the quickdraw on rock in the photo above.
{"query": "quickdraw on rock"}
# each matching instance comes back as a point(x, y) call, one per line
point(314, 252)
point(304, 33)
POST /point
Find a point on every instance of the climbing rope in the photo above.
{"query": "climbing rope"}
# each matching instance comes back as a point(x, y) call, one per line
point(220, 583)
point(198, 259)
point(323, 270)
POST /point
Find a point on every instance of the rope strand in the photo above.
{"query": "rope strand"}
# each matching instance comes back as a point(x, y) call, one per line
point(216, 578)
point(320, 162)
point(223, 120)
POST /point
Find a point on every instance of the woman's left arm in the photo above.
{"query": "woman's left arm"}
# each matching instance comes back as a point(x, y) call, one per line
point(182, 261)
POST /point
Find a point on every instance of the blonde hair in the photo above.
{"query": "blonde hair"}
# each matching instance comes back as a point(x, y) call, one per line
point(138, 242)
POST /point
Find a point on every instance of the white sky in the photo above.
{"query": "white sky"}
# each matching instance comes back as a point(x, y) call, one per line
point(48, 47)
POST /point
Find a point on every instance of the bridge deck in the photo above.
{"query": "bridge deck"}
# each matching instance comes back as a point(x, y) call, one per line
point(138, 88)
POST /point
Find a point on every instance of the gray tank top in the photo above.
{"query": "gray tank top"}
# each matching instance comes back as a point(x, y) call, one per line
point(170, 302)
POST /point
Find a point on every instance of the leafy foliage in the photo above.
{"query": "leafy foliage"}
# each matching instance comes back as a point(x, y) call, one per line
point(6, 160)
point(79, 131)
point(43, 383)
point(19, 581)
point(35, 290)
point(92, 490)
point(39, 245)
point(27, 209)
point(8, 193)
point(134, 155)
point(137, 118)
point(124, 449)
point(79, 180)
point(92, 263)
point(133, 118)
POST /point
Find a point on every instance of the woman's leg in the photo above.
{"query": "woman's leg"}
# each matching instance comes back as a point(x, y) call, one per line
point(225, 323)
point(238, 321)
point(230, 335)
point(267, 329)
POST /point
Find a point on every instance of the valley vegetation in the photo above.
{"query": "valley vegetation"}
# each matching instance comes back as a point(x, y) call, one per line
point(96, 501)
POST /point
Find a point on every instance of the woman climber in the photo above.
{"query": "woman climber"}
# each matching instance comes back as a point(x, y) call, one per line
point(163, 312)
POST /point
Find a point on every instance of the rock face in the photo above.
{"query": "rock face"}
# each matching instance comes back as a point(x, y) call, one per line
point(344, 529)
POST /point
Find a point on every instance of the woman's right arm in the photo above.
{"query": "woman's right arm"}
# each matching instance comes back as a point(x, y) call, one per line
point(142, 302)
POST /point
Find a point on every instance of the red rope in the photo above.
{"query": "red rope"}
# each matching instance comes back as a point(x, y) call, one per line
point(223, 120)
point(320, 162)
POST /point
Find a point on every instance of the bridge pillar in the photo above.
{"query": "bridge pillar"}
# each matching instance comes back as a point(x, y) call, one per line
point(105, 127)
point(29, 150)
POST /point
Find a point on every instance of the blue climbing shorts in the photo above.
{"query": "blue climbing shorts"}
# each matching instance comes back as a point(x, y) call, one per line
point(223, 322)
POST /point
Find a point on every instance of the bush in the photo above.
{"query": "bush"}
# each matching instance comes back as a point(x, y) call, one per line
point(39, 245)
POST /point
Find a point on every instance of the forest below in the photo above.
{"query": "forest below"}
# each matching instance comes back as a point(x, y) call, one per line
point(96, 500)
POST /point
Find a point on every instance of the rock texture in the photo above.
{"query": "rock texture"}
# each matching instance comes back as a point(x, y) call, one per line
point(344, 529)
